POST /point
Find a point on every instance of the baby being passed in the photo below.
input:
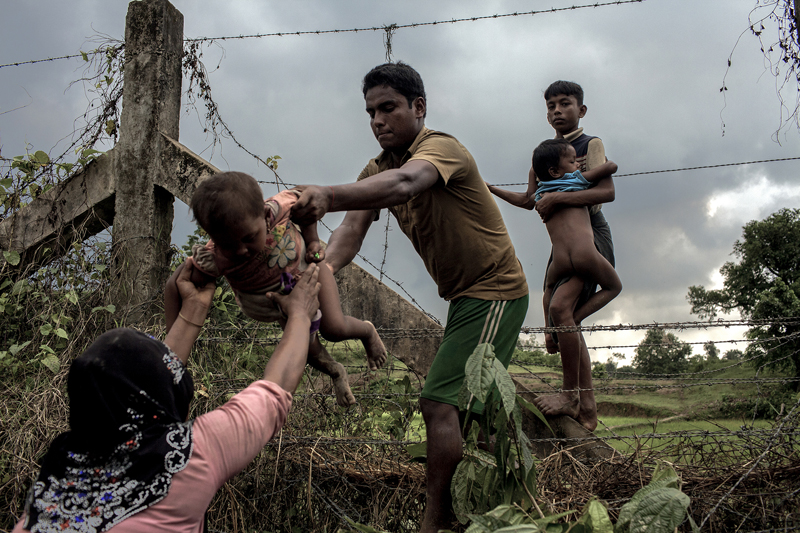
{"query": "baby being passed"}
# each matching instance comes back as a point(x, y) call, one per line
point(258, 249)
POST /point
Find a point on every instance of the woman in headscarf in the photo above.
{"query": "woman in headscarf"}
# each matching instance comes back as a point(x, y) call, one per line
point(131, 461)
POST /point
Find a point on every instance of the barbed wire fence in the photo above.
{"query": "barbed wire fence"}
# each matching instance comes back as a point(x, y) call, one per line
point(330, 464)
point(727, 471)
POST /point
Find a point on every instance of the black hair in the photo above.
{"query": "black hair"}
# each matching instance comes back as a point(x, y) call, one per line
point(399, 76)
point(547, 155)
point(224, 198)
point(568, 88)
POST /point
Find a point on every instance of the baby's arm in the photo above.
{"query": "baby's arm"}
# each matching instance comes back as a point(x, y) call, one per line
point(600, 172)
point(172, 298)
point(314, 251)
point(525, 200)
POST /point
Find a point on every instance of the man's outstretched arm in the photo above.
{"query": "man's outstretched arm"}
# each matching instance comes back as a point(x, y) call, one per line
point(346, 240)
point(385, 189)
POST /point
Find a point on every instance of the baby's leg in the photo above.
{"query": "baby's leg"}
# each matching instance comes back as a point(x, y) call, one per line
point(319, 358)
point(588, 263)
point(336, 326)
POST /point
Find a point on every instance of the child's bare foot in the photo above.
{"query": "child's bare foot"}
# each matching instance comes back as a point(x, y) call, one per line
point(344, 396)
point(587, 415)
point(550, 344)
point(376, 351)
point(564, 403)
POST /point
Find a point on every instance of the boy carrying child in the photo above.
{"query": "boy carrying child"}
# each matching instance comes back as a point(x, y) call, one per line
point(571, 292)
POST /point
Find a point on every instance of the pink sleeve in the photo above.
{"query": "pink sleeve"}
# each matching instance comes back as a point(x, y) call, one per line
point(234, 433)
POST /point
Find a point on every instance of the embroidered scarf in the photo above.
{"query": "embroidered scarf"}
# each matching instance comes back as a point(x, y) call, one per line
point(129, 399)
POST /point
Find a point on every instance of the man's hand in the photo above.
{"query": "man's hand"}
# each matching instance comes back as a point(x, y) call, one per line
point(315, 253)
point(312, 205)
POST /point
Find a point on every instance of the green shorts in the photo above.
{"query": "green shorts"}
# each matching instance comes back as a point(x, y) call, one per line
point(471, 322)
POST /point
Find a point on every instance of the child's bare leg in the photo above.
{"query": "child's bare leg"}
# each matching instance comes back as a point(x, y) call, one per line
point(549, 342)
point(562, 305)
point(596, 267)
point(319, 358)
point(336, 326)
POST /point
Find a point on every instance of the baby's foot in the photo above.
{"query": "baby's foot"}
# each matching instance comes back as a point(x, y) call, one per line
point(341, 386)
point(376, 351)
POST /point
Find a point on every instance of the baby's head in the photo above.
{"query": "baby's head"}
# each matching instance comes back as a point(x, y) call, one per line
point(230, 207)
point(553, 158)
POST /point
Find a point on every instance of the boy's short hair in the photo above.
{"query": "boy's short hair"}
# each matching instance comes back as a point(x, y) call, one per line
point(224, 198)
point(547, 156)
point(568, 88)
point(399, 76)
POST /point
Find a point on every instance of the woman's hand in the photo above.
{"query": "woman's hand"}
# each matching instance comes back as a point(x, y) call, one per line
point(194, 304)
point(195, 299)
point(303, 301)
point(285, 367)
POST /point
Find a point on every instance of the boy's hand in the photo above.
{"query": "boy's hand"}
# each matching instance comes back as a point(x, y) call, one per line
point(547, 205)
point(303, 300)
point(315, 253)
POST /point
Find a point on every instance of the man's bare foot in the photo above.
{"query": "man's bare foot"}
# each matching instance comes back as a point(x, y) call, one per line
point(376, 351)
point(587, 415)
point(550, 344)
point(564, 403)
point(341, 386)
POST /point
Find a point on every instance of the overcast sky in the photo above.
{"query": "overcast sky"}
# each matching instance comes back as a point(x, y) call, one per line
point(651, 71)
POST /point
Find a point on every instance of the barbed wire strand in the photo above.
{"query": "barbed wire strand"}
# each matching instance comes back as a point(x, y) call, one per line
point(388, 29)
point(684, 169)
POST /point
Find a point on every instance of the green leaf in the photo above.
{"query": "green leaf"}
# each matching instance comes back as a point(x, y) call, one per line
point(61, 333)
point(661, 510)
point(480, 377)
point(41, 157)
point(464, 397)
point(19, 286)
point(505, 385)
point(664, 478)
point(533, 409)
point(16, 348)
point(595, 518)
point(6, 182)
point(52, 363)
point(418, 451)
point(46, 329)
point(72, 297)
point(85, 56)
point(11, 257)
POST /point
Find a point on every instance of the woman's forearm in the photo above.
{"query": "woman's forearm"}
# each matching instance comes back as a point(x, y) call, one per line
point(285, 367)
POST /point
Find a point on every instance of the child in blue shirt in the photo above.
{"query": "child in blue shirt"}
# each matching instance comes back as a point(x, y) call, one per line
point(574, 253)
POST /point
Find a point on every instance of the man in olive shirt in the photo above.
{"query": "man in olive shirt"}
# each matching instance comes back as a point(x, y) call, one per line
point(431, 184)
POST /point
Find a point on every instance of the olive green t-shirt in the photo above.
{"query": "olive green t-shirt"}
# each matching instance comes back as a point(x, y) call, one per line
point(456, 226)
